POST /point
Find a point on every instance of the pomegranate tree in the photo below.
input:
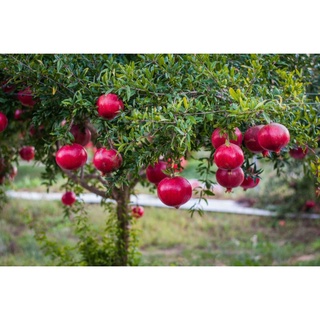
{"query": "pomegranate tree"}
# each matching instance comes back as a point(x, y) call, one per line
point(149, 107)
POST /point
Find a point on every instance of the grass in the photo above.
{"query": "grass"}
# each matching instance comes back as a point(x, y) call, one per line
point(169, 237)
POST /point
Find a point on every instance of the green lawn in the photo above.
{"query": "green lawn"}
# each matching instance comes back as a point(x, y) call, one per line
point(169, 237)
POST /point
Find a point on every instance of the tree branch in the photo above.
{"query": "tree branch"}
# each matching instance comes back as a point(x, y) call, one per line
point(84, 184)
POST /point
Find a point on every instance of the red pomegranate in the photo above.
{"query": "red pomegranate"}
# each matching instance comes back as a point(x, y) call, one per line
point(68, 198)
point(310, 204)
point(228, 156)
point(230, 178)
point(3, 121)
point(217, 139)
point(250, 140)
point(33, 131)
point(7, 88)
point(298, 153)
point(18, 114)
point(155, 173)
point(109, 105)
point(137, 211)
point(26, 98)
point(175, 191)
point(249, 183)
point(107, 160)
point(273, 137)
point(82, 135)
point(27, 153)
point(71, 157)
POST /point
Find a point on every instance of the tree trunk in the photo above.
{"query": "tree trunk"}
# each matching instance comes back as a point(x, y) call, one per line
point(122, 197)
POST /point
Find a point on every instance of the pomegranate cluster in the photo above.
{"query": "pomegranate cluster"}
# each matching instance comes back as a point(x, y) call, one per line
point(229, 156)
point(172, 191)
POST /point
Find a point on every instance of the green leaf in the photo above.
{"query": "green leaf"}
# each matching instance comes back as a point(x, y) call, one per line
point(233, 94)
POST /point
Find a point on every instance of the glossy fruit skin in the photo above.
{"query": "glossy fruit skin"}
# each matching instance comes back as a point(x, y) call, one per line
point(217, 140)
point(230, 178)
point(273, 137)
point(249, 183)
point(68, 198)
point(3, 121)
point(71, 157)
point(109, 105)
point(26, 98)
point(250, 140)
point(27, 153)
point(228, 157)
point(137, 212)
point(107, 160)
point(298, 153)
point(155, 174)
point(175, 191)
point(81, 135)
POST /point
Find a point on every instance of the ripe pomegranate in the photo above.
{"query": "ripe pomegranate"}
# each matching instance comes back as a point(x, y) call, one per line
point(155, 173)
point(228, 156)
point(298, 153)
point(82, 135)
point(71, 157)
point(18, 114)
point(273, 137)
point(68, 198)
point(137, 211)
point(26, 98)
point(27, 153)
point(7, 88)
point(3, 121)
point(107, 160)
point(249, 183)
point(109, 105)
point(217, 139)
point(309, 204)
point(250, 140)
point(230, 178)
point(174, 191)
